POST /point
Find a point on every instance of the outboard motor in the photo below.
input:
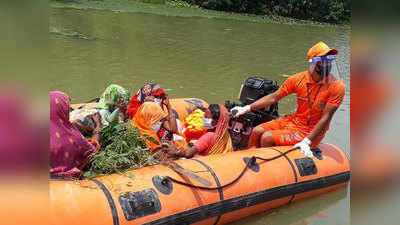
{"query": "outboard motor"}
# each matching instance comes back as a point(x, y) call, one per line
point(253, 89)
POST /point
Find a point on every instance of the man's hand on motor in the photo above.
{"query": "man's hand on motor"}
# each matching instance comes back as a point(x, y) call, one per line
point(240, 110)
point(304, 145)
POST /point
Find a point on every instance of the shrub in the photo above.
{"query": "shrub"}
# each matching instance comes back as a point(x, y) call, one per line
point(331, 11)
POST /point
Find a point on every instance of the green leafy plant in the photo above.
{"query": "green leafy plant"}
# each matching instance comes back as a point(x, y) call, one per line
point(108, 133)
point(122, 148)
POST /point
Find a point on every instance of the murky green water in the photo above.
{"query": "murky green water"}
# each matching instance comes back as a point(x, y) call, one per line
point(195, 57)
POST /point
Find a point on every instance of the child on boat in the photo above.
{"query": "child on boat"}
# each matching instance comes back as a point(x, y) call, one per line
point(217, 140)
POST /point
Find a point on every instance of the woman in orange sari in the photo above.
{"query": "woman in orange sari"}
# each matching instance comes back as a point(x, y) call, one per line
point(148, 120)
point(217, 140)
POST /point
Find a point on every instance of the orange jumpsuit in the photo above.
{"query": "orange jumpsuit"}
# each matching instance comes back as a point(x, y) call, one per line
point(311, 100)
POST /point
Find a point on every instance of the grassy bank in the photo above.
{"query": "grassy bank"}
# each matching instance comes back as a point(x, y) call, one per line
point(174, 8)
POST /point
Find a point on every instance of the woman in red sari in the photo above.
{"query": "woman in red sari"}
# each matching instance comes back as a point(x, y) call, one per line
point(150, 92)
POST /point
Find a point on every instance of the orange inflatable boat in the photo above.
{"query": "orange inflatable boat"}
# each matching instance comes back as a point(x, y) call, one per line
point(243, 183)
point(149, 195)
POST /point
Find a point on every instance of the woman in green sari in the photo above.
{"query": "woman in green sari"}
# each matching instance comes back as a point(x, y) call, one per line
point(113, 103)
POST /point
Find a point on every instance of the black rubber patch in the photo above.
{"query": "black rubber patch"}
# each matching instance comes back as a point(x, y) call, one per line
point(139, 204)
point(220, 191)
point(163, 184)
point(251, 164)
point(306, 166)
point(229, 205)
point(317, 153)
point(110, 201)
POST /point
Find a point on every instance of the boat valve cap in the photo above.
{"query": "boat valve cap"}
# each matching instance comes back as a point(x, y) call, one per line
point(163, 184)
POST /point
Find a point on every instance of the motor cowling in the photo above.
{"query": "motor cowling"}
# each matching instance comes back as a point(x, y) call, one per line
point(251, 90)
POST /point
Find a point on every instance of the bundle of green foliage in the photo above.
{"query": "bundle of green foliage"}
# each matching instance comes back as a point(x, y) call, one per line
point(331, 11)
point(121, 148)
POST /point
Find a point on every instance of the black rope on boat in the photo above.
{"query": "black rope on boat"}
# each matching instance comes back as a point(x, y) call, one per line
point(252, 160)
point(213, 188)
point(276, 157)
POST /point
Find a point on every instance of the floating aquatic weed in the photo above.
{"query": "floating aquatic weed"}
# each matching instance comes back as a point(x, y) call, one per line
point(72, 34)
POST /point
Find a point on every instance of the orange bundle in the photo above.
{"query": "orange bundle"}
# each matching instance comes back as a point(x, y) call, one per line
point(194, 128)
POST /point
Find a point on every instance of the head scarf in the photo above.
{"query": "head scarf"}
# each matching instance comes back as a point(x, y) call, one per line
point(112, 95)
point(138, 99)
point(68, 148)
point(147, 115)
point(223, 142)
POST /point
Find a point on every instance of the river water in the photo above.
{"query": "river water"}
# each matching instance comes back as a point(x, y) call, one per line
point(196, 57)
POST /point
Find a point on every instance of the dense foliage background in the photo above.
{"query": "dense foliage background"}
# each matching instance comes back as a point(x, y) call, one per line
point(331, 11)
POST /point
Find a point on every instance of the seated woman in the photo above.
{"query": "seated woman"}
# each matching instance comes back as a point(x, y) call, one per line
point(113, 103)
point(69, 149)
point(150, 92)
point(216, 140)
point(148, 120)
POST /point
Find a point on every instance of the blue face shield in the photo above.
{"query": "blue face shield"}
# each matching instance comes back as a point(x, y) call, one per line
point(325, 66)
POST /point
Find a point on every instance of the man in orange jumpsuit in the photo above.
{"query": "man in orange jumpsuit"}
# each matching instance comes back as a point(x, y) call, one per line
point(319, 94)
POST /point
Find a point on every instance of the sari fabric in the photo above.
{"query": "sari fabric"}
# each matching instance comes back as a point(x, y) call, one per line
point(21, 142)
point(138, 99)
point(147, 115)
point(222, 142)
point(69, 150)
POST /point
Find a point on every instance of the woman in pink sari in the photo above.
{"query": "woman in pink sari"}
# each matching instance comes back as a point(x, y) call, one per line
point(69, 149)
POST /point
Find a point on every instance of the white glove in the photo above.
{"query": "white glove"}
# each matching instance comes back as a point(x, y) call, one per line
point(239, 110)
point(304, 145)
